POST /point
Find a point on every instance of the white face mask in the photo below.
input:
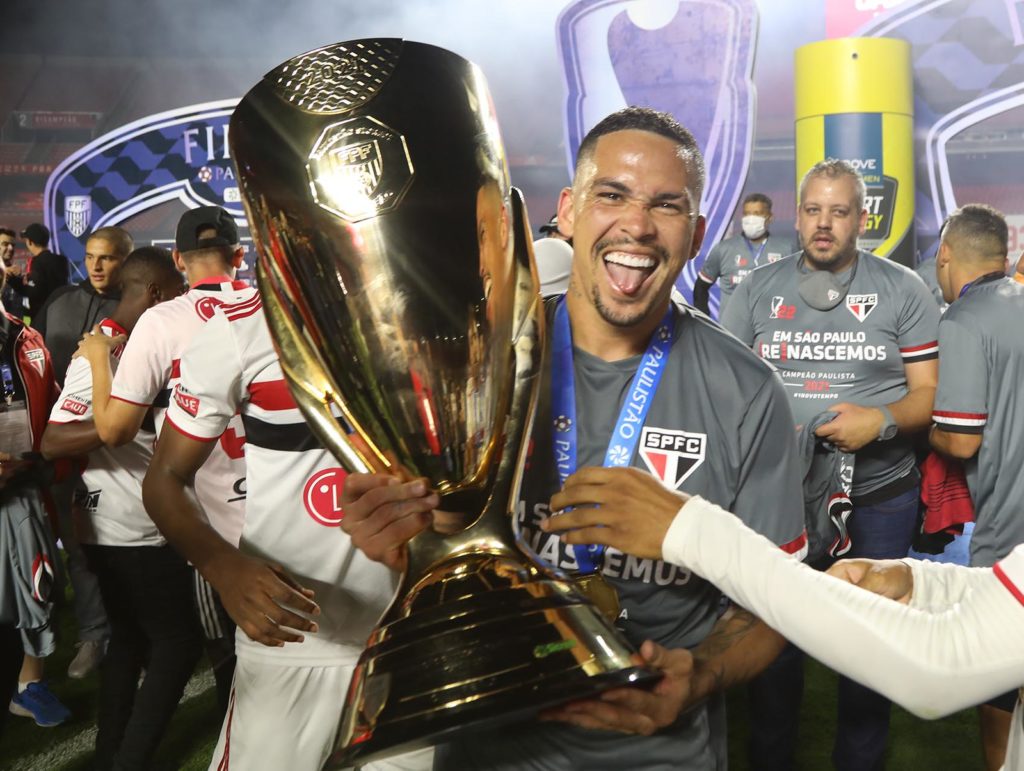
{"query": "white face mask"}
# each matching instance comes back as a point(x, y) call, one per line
point(754, 226)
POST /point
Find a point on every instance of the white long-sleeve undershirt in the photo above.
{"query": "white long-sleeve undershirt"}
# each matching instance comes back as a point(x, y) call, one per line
point(959, 642)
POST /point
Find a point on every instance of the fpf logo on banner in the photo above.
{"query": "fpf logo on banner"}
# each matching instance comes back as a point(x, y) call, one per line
point(178, 155)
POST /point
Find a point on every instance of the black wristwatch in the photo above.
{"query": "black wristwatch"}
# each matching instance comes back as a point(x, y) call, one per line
point(889, 427)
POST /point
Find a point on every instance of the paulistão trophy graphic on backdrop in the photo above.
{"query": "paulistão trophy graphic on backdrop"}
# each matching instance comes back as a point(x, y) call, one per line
point(695, 62)
point(400, 290)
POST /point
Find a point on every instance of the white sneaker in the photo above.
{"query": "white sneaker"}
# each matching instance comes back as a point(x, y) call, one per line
point(90, 654)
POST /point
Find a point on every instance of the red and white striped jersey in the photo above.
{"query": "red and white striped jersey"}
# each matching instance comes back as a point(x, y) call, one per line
point(111, 495)
point(294, 484)
point(148, 372)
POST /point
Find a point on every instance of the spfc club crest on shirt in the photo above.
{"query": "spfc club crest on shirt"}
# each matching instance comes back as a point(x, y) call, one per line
point(860, 305)
point(672, 456)
point(37, 358)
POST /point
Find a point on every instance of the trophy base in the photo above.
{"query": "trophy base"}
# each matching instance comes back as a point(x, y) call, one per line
point(483, 640)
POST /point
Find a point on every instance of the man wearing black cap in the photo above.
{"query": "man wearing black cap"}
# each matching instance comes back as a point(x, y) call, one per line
point(46, 272)
point(208, 251)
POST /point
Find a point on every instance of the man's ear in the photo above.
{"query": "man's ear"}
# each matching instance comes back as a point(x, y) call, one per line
point(699, 228)
point(179, 263)
point(944, 255)
point(566, 217)
point(237, 256)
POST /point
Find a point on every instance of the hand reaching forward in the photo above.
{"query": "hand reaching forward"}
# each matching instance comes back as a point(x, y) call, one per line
point(625, 508)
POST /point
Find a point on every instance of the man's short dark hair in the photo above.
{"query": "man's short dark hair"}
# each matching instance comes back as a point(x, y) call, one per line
point(147, 265)
point(646, 119)
point(759, 198)
point(8, 232)
point(977, 232)
point(120, 238)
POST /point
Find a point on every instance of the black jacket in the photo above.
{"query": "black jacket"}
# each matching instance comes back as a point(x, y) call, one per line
point(69, 313)
point(49, 271)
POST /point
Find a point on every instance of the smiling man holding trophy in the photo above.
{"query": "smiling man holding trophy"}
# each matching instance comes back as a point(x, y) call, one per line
point(631, 379)
point(396, 277)
point(397, 282)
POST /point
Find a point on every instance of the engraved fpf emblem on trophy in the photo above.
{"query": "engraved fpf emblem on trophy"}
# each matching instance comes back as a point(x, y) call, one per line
point(359, 168)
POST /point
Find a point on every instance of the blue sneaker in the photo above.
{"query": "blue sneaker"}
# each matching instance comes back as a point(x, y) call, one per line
point(38, 702)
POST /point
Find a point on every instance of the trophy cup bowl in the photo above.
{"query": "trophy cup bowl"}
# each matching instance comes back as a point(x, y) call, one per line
point(396, 271)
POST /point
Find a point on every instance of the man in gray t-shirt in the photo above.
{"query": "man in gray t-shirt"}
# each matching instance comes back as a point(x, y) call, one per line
point(742, 451)
point(926, 270)
point(853, 334)
point(732, 259)
point(855, 358)
point(980, 401)
point(717, 424)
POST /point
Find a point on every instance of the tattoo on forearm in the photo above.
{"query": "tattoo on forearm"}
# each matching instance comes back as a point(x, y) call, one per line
point(730, 629)
point(729, 632)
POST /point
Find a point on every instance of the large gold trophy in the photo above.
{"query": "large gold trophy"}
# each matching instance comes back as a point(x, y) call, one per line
point(396, 270)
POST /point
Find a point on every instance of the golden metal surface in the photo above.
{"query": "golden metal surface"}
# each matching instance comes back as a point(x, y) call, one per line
point(397, 275)
point(596, 589)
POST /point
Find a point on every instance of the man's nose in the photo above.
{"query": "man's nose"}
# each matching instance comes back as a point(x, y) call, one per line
point(637, 220)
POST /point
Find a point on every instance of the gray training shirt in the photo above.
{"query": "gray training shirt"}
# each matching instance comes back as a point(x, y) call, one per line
point(856, 352)
point(981, 391)
point(719, 426)
point(732, 259)
point(926, 270)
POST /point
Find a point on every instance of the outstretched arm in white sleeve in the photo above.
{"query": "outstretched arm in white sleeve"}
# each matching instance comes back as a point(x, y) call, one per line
point(956, 644)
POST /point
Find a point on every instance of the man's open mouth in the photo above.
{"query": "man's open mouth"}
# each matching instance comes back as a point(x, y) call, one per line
point(627, 272)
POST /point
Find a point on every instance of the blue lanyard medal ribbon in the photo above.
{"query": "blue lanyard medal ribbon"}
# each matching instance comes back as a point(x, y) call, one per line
point(754, 257)
point(631, 417)
point(981, 280)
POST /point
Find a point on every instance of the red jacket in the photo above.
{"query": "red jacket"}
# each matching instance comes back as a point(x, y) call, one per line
point(32, 362)
point(27, 547)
